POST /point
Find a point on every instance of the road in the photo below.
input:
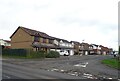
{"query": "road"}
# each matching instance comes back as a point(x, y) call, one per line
point(11, 71)
point(63, 68)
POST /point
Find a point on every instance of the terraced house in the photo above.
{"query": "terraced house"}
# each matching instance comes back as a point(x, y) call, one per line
point(26, 38)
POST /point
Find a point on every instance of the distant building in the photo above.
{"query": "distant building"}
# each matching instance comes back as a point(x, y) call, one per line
point(76, 47)
point(5, 43)
point(84, 48)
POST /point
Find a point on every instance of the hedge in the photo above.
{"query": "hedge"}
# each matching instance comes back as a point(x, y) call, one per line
point(14, 52)
point(36, 54)
point(28, 53)
point(53, 54)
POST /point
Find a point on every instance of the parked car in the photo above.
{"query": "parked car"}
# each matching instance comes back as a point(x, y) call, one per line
point(63, 52)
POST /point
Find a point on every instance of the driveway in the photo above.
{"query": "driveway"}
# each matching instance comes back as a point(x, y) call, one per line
point(81, 66)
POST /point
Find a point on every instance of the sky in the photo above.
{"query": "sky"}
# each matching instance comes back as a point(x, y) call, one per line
point(94, 21)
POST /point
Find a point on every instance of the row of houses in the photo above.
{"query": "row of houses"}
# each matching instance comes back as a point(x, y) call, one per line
point(26, 38)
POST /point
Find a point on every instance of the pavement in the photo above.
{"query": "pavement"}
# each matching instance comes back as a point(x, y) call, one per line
point(65, 67)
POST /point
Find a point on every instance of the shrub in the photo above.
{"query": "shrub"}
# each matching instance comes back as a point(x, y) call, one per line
point(53, 54)
point(36, 54)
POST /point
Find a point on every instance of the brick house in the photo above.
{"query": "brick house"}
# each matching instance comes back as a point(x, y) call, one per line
point(29, 39)
point(105, 50)
point(76, 47)
point(96, 49)
point(84, 48)
point(26, 38)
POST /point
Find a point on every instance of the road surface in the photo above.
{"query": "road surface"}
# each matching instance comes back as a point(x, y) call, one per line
point(11, 71)
point(46, 68)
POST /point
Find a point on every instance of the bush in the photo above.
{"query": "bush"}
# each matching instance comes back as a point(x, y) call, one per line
point(36, 54)
point(53, 54)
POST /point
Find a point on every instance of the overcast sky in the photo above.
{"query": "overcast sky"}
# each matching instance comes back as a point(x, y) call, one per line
point(94, 21)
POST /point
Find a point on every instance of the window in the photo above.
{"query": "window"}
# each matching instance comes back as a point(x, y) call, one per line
point(44, 40)
point(36, 39)
point(50, 41)
point(41, 40)
point(61, 51)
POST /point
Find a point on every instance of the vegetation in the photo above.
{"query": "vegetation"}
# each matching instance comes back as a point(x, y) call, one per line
point(28, 53)
point(53, 54)
point(36, 54)
point(14, 52)
point(114, 63)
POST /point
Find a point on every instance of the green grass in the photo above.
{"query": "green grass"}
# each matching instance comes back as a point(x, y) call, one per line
point(114, 63)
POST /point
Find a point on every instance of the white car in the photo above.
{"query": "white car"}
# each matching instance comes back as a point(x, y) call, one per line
point(63, 52)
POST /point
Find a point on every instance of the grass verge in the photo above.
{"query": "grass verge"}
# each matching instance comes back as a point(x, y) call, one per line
point(114, 63)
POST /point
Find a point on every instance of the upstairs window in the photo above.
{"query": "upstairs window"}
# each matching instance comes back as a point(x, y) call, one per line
point(50, 41)
point(36, 39)
point(44, 40)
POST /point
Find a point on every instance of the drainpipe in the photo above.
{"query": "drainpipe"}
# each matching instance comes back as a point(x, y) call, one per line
point(0, 50)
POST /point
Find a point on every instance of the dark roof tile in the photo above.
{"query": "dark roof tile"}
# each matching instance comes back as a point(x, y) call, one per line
point(35, 32)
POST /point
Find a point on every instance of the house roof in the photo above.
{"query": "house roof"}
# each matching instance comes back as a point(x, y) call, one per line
point(61, 39)
point(104, 48)
point(33, 32)
point(38, 33)
point(75, 42)
point(84, 44)
point(95, 45)
point(7, 41)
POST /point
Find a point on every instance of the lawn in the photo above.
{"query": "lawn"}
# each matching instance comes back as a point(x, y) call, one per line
point(114, 63)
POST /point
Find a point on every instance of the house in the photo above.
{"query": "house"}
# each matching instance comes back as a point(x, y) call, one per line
point(84, 48)
point(111, 51)
point(104, 50)
point(96, 49)
point(63, 45)
point(26, 38)
point(100, 49)
point(5, 43)
point(76, 47)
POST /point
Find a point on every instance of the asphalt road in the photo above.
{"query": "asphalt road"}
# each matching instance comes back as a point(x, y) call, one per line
point(73, 67)
point(11, 71)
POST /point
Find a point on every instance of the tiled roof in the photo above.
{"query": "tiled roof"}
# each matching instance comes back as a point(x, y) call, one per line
point(7, 41)
point(104, 48)
point(35, 33)
point(95, 45)
point(75, 42)
point(41, 34)
point(84, 44)
point(38, 33)
point(60, 39)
